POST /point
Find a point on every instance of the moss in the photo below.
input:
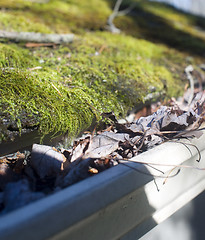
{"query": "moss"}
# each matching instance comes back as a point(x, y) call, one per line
point(19, 22)
point(181, 21)
point(98, 72)
point(77, 79)
point(152, 21)
point(60, 16)
point(98, 62)
point(32, 100)
point(12, 56)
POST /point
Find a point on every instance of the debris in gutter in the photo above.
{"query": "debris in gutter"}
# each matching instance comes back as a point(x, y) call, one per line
point(26, 177)
point(18, 194)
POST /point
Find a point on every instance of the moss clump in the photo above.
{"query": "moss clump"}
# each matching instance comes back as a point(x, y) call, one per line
point(149, 20)
point(98, 72)
point(57, 16)
point(163, 24)
point(75, 80)
point(18, 22)
point(12, 56)
point(119, 69)
point(31, 99)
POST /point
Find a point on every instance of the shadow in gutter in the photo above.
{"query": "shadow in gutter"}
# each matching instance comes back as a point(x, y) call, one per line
point(120, 208)
point(140, 214)
point(198, 217)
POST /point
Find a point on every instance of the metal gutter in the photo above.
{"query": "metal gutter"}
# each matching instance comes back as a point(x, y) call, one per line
point(26, 140)
point(120, 203)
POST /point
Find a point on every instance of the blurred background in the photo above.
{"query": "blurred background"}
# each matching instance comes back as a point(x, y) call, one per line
point(192, 6)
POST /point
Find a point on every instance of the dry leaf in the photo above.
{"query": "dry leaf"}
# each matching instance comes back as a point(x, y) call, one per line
point(104, 144)
point(46, 161)
point(79, 148)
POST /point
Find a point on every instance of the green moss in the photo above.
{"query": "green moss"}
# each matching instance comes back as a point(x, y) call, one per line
point(77, 79)
point(168, 13)
point(58, 16)
point(19, 22)
point(161, 23)
point(149, 20)
point(31, 99)
point(99, 71)
point(12, 56)
point(121, 68)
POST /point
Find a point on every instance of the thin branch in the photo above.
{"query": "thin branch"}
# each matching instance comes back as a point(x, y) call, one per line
point(37, 37)
point(165, 165)
point(39, 1)
point(190, 144)
point(56, 89)
point(188, 71)
point(127, 10)
point(150, 174)
point(117, 6)
point(110, 25)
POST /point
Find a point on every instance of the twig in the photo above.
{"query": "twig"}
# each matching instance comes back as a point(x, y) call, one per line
point(188, 71)
point(39, 1)
point(143, 139)
point(35, 68)
point(169, 175)
point(190, 144)
point(56, 89)
point(33, 45)
point(110, 25)
point(150, 174)
point(179, 133)
point(102, 48)
point(37, 37)
point(165, 165)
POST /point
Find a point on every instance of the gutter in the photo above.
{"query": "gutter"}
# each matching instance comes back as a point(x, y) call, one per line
point(119, 203)
point(26, 140)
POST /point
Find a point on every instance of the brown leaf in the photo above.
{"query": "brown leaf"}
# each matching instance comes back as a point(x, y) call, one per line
point(104, 144)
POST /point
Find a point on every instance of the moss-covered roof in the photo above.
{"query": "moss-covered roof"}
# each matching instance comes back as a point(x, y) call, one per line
point(63, 88)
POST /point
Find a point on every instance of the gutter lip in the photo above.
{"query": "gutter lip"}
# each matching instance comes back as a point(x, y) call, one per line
point(66, 208)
